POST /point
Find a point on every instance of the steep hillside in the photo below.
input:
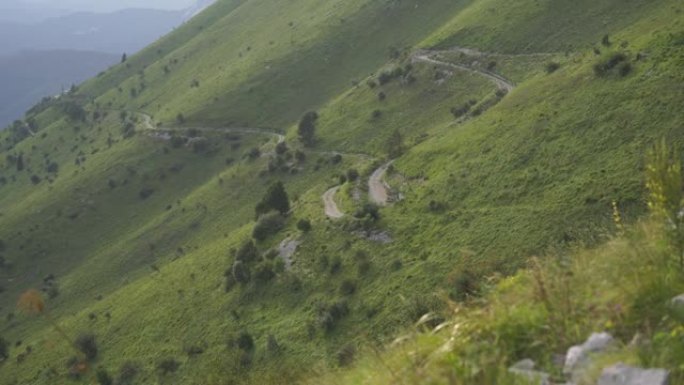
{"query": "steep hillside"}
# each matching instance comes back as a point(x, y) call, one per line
point(450, 143)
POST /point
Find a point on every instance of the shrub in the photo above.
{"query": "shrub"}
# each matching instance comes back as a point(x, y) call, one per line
point(240, 272)
point(336, 159)
point(230, 280)
point(264, 272)
point(146, 193)
point(369, 210)
point(268, 225)
point(74, 365)
point(352, 175)
point(304, 225)
point(103, 377)
point(382, 96)
point(307, 128)
point(552, 67)
point(245, 342)
point(87, 345)
point(330, 315)
point(168, 366)
point(180, 118)
point(281, 148)
point(384, 78)
point(364, 267)
point(348, 287)
point(605, 41)
point(457, 112)
point(345, 356)
point(371, 84)
point(605, 65)
point(52, 168)
point(253, 153)
point(275, 199)
point(335, 265)
point(272, 345)
point(127, 373)
point(247, 253)
point(35, 179)
point(625, 69)
point(376, 114)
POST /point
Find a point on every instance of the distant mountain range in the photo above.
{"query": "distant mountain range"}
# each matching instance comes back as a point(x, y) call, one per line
point(118, 32)
point(29, 76)
point(43, 50)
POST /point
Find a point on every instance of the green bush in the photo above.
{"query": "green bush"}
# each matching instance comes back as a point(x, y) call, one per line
point(268, 225)
point(345, 356)
point(127, 373)
point(275, 199)
point(87, 345)
point(168, 366)
point(264, 272)
point(241, 272)
point(348, 287)
point(103, 377)
point(247, 253)
point(307, 128)
point(604, 66)
point(245, 342)
point(552, 67)
point(352, 175)
point(304, 225)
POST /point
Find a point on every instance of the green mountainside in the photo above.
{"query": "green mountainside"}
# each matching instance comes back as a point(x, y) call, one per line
point(452, 142)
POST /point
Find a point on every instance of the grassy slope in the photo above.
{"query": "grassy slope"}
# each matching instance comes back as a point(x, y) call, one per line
point(509, 200)
point(622, 287)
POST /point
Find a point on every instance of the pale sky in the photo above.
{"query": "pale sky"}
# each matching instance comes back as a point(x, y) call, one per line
point(106, 5)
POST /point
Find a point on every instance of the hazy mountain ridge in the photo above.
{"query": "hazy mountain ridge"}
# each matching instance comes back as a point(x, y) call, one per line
point(118, 32)
point(29, 76)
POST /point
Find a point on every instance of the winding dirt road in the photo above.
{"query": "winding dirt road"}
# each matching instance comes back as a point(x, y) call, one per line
point(148, 125)
point(331, 209)
point(500, 81)
point(378, 190)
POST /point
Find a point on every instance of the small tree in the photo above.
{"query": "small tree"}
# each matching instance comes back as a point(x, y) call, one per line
point(124, 57)
point(275, 199)
point(87, 345)
point(247, 253)
point(304, 225)
point(241, 273)
point(307, 128)
point(268, 225)
point(605, 41)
